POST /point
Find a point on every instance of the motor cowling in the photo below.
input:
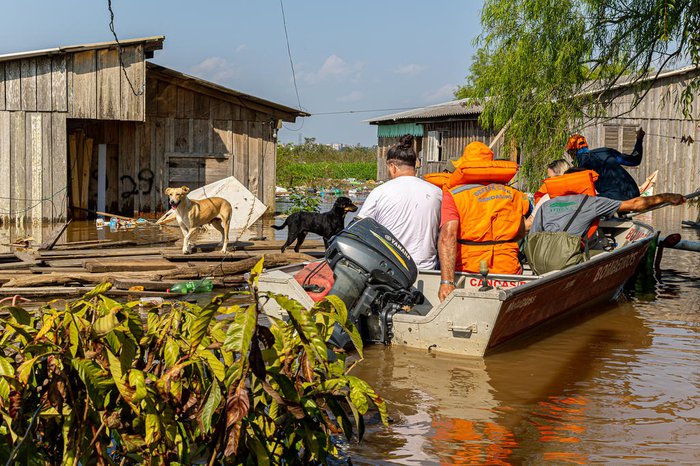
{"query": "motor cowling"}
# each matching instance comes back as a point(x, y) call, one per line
point(373, 275)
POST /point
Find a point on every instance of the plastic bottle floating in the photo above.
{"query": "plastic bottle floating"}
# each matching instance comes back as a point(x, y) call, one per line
point(198, 286)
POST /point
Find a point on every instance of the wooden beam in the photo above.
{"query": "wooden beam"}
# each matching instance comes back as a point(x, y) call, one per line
point(53, 238)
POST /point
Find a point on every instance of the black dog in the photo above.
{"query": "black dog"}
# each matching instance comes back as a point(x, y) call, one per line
point(327, 224)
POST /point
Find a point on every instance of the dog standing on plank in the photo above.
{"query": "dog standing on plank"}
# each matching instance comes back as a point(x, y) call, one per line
point(190, 215)
point(326, 225)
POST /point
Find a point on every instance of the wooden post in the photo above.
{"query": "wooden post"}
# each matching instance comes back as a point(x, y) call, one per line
point(101, 176)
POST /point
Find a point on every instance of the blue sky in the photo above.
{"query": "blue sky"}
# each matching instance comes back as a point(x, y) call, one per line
point(348, 56)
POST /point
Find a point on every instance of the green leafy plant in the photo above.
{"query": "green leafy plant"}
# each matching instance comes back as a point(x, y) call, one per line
point(100, 382)
point(302, 202)
point(317, 164)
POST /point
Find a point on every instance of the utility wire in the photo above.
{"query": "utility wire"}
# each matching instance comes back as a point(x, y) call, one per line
point(289, 52)
point(120, 51)
point(365, 111)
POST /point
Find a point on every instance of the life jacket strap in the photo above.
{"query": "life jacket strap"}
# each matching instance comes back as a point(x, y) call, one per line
point(484, 243)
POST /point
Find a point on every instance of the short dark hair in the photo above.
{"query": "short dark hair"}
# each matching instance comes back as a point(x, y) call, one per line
point(403, 153)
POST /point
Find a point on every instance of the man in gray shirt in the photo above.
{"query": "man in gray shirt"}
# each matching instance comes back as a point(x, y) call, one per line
point(556, 213)
point(548, 249)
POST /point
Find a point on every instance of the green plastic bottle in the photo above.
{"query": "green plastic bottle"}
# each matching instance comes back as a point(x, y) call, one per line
point(199, 286)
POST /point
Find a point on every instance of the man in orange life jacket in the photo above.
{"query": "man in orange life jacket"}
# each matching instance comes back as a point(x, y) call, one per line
point(481, 217)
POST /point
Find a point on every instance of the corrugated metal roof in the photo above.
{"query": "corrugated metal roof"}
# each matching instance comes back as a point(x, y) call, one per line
point(150, 44)
point(652, 76)
point(185, 78)
point(460, 107)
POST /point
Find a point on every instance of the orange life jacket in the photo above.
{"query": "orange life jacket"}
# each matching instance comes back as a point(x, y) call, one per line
point(540, 193)
point(569, 184)
point(439, 179)
point(490, 220)
point(480, 171)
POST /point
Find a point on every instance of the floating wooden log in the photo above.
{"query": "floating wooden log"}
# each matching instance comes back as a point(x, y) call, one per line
point(217, 256)
point(19, 265)
point(140, 265)
point(95, 245)
point(89, 253)
point(58, 278)
point(225, 268)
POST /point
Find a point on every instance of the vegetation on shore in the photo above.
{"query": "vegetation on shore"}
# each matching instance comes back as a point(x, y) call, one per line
point(316, 165)
point(92, 382)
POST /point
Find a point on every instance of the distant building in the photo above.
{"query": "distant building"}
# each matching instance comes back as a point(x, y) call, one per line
point(672, 144)
point(81, 121)
point(441, 132)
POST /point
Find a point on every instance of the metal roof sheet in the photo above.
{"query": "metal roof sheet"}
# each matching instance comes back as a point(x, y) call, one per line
point(460, 107)
point(150, 44)
point(225, 90)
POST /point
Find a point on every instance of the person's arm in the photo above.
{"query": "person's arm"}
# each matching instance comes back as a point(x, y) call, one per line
point(635, 158)
point(646, 202)
point(447, 251)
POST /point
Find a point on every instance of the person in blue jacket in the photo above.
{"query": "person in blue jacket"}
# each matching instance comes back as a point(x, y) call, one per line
point(614, 182)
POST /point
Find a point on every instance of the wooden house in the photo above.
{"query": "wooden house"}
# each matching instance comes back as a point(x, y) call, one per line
point(97, 126)
point(440, 134)
point(671, 144)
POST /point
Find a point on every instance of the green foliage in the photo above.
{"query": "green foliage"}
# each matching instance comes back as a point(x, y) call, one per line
point(91, 382)
point(303, 202)
point(537, 62)
point(311, 163)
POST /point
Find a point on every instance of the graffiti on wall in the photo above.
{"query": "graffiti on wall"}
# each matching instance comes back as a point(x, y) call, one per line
point(144, 185)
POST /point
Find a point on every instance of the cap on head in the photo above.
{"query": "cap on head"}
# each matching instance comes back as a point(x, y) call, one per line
point(576, 142)
point(474, 152)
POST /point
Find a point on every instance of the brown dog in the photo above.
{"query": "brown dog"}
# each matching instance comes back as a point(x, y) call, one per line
point(193, 214)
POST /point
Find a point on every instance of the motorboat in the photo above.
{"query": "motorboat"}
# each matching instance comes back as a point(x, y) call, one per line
point(392, 302)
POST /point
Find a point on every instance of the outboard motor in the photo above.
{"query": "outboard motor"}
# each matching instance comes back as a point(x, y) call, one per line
point(373, 275)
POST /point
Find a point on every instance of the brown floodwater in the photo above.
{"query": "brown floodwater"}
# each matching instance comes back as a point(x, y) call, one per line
point(615, 385)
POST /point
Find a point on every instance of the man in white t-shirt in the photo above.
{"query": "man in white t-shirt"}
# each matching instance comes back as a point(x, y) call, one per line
point(408, 206)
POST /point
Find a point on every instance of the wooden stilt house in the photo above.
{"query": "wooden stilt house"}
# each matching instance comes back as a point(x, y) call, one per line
point(96, 126)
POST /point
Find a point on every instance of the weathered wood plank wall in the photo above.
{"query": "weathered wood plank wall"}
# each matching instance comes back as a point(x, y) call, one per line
point(87, 84)
point(457, 135)
point(677, 162)
point(32, 158)
point(199, 138)
point(37, 97)
point(158, 130)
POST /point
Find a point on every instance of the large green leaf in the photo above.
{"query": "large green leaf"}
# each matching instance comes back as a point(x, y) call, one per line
point(217, 367)
point(138, 383)
point(73, 333)
point(341, 416)
point(4, 389)
point(24, 371)
point(360, 390)
point(342, 319)
point(20, 315)
point(202, 319)
point(6, 367)
point(213, 402)
point(95, 378)
point(115, 368)
point(240, 333)
point(105, 324)
point(152, 428)
point(256, 271)
point(98, 290)
point(171, 352)
point(304, 325)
